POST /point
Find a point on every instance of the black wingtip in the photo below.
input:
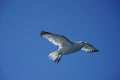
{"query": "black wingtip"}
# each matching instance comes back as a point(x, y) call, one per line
point(96, 50)
point(44, 32)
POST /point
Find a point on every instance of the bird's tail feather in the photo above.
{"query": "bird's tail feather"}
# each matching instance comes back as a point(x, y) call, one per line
point(54, 55)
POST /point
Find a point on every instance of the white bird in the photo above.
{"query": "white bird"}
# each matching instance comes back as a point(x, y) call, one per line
point(65, 46)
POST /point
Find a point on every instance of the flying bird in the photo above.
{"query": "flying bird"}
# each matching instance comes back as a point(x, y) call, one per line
point(65, 46)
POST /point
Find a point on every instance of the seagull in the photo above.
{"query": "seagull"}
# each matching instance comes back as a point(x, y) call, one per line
point(65, 46)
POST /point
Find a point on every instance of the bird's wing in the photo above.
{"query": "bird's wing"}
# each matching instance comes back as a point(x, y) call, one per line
point(56, 39)
point(89, 48)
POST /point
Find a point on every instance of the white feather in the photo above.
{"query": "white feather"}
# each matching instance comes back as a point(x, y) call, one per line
point(53, 55)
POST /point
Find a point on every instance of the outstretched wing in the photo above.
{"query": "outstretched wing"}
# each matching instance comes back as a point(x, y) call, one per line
point(89, 48)
point(56, 39)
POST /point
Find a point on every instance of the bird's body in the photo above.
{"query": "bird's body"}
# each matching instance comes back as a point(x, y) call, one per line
point(65, 46)
point(71, 49)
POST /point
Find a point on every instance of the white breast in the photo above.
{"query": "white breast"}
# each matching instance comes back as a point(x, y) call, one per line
point(70, 49)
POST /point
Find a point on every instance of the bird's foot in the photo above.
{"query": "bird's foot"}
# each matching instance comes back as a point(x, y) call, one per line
point(57, 60)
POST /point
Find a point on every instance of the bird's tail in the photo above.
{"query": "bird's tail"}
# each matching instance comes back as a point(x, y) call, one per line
point(55, 56)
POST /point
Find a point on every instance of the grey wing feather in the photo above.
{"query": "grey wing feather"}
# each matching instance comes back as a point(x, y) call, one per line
point(56, 39)
point(89, 48)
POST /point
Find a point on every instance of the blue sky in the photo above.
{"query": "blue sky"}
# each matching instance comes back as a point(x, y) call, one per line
point(24, 54)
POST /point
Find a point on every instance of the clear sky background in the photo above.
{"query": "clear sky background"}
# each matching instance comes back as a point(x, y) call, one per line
point(24, 54)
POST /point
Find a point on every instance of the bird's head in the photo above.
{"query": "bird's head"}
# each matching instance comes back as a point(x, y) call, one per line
point(80, 42)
